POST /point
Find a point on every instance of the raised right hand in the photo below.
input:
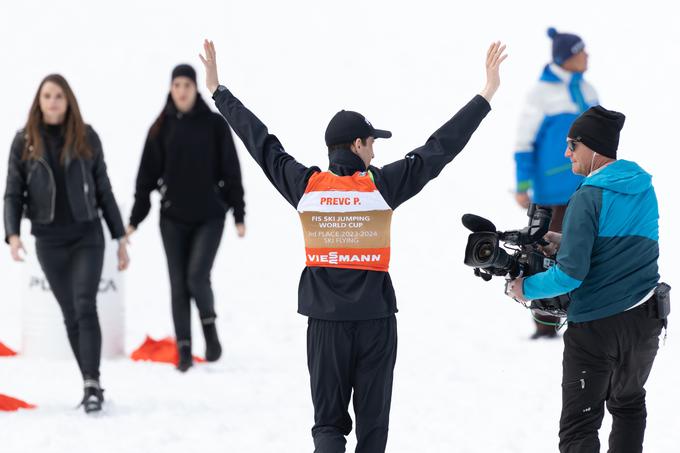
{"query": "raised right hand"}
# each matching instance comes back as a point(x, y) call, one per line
point(16, 245)
point(210, 63)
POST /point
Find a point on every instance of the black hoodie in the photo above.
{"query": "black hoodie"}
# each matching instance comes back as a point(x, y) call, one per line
point(192, 161)
point(348, 294)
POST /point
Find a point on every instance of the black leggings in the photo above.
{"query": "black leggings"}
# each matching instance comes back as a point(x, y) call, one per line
point(72, 263)
point(190, 250)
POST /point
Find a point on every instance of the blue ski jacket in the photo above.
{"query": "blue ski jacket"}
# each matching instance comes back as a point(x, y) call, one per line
point(552, 105)
point(607, 260)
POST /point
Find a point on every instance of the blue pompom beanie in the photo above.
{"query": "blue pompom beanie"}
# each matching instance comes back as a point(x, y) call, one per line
point(564, 45)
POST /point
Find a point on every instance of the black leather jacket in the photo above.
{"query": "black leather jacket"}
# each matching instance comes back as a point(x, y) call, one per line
point(31, 189)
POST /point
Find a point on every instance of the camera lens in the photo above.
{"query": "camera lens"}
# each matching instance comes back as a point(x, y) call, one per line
point(484, 251)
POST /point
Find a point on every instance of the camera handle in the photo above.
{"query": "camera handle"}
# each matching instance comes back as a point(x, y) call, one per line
point(484, 276)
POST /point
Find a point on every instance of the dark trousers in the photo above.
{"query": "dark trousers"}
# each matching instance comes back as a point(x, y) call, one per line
point(190, 250)
point(73, 264)
point(351, 356)
point(556, 226)
point(607, 361)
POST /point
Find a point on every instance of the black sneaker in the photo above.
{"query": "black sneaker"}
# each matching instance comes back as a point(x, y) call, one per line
point(186, 361)
point(93, 396)
point(213, 348)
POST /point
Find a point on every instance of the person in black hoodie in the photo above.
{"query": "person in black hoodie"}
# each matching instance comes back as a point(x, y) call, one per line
point(345, 289)
point(57, 177)
point(189, 156)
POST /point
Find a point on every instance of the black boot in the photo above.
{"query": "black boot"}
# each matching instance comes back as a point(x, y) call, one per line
point(546, 326)
point(93, 396)
point(186, 361)
point(213, 349)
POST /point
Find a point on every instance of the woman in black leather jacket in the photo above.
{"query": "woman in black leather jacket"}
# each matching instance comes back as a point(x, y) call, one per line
point(189, 156)
point(57, 178)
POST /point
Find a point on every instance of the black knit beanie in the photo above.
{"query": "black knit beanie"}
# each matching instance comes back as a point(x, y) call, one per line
point(184, 70)
point(599, 128)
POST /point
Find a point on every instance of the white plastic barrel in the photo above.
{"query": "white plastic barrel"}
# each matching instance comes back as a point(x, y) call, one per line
point(43, 332)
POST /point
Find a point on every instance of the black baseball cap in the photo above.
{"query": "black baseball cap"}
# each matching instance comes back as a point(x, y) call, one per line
point(346, 126)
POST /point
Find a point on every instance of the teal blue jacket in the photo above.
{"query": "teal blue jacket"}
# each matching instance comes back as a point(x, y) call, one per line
point(607, 260)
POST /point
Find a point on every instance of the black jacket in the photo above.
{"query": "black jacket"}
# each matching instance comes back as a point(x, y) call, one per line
point(347, 294)
point(192, 161)
point(31, 189)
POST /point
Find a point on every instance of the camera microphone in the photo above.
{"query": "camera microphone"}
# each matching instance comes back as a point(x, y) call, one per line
point(477, 224)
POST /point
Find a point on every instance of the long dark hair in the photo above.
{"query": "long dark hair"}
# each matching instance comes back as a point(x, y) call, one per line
point(75, 131)
point(155, 128)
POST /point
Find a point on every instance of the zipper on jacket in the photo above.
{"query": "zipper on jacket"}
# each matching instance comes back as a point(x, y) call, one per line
point(86, 189)
point(30, 176)
point(54, 187)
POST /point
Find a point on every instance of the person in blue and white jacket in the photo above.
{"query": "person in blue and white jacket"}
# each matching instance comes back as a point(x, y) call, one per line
point(552, 105)
point(607, 263)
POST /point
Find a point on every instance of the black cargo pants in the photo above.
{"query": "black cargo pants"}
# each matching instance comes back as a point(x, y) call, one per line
point(607, 361)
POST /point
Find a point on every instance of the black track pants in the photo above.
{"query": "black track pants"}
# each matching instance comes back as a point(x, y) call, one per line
point(190, 250)
point(607, 360)
point(354, 356)
point(73, 267)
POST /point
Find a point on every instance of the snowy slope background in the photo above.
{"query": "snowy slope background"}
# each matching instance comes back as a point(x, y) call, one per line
point(467, 377)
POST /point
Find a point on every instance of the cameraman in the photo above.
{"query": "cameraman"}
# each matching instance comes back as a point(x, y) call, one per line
point(607, 262)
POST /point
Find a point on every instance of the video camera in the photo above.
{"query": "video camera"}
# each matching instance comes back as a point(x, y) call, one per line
point(488, 258)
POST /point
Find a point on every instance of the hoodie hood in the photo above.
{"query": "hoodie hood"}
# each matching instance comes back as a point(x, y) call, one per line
point(621, 176)
point(200, 107)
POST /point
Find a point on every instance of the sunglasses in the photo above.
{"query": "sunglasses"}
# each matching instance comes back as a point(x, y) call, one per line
point(571, 143)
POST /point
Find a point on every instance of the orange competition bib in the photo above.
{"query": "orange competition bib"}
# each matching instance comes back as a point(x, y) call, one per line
point(346, 222)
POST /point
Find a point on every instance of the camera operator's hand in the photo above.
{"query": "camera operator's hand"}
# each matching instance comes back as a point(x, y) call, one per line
point(554, 239)
point(515, 289)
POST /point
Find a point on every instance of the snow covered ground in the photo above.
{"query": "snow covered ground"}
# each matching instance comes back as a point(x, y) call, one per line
point(467, 377)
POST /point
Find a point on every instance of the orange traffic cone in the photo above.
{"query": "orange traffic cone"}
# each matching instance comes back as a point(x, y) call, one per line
point(7, 403)
point(5, 351)
point(164, 351)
